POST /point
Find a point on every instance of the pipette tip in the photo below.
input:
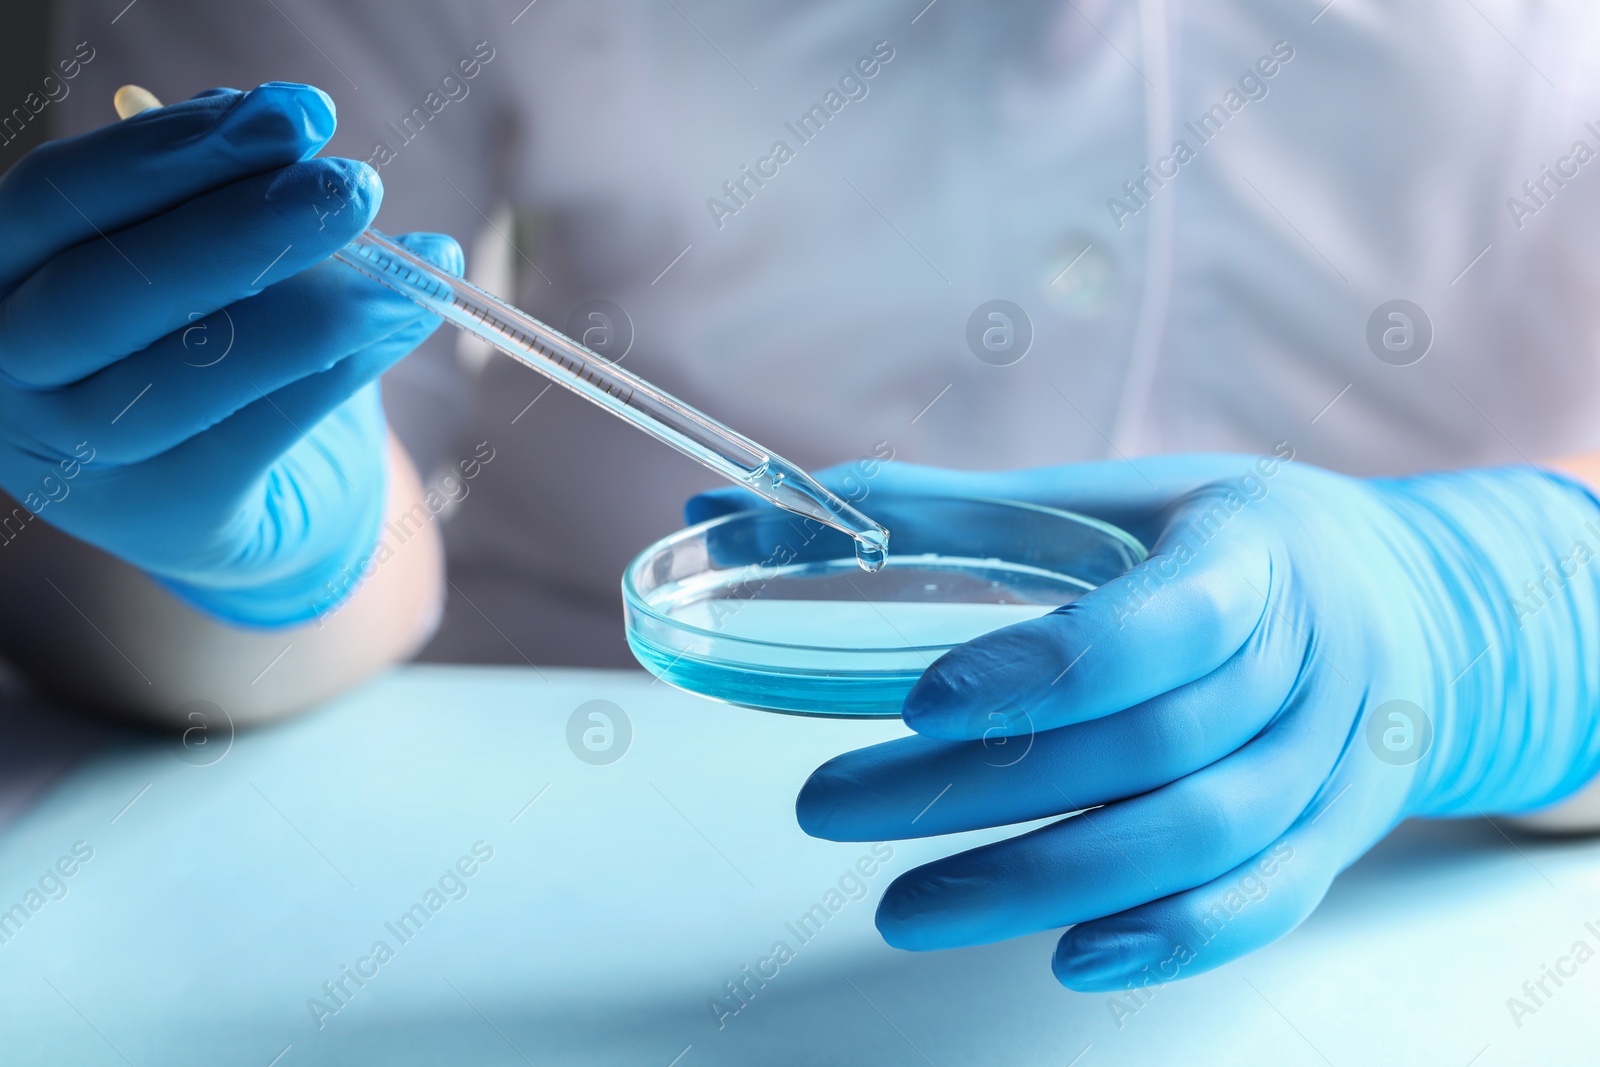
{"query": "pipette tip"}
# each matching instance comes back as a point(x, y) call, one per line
point(792, 489)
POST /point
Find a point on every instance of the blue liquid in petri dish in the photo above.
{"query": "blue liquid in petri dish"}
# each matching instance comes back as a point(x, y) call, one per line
point(766, 611)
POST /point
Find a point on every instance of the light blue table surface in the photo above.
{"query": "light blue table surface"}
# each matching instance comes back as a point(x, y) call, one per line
point(220, 898)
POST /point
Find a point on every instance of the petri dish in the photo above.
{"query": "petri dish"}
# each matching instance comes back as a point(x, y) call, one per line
point(767, 610)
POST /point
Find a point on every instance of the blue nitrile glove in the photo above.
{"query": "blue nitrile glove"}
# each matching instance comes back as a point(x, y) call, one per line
point(1304, 660)
point(186, 380)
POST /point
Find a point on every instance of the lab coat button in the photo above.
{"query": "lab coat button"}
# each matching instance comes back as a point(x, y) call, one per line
point(1081, 277)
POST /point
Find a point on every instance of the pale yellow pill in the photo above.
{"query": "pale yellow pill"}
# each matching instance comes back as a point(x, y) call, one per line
point(132, 99)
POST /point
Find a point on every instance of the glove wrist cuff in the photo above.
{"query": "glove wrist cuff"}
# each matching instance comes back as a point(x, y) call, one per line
point(308, 592)
point(1511, 559)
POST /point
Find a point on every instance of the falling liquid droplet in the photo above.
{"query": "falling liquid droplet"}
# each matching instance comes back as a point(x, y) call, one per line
point(871, 556)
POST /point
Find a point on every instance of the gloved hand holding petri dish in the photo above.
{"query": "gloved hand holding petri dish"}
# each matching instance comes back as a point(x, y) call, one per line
point(1303, 660)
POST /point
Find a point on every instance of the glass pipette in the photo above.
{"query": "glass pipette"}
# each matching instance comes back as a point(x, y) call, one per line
point(567, 363)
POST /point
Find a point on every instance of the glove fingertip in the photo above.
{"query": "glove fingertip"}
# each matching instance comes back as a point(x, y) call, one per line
point(931, 707)
point(339, 197)
point(897, 919)
point(440, 249)
point(1100, 964)
point(813, 811)
point(824, 805)
point(956, 697)
point(300, 117)
point(937, 907)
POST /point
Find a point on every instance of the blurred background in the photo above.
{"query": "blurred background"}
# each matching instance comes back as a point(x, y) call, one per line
point(22, 67)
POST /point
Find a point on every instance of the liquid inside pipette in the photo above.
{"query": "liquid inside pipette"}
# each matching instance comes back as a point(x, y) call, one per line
point(792, 489)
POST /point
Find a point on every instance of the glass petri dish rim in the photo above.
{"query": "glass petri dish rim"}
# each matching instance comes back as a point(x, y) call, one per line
point(634, 601)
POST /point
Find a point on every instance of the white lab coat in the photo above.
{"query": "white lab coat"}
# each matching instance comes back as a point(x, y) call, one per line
point(1224, 308)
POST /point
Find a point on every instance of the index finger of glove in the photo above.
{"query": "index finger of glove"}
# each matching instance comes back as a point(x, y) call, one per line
point(86, 187)
point(1172, 619)
point(99, 302)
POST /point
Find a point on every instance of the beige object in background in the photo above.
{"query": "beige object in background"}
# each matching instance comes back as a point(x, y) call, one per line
point(130, 100)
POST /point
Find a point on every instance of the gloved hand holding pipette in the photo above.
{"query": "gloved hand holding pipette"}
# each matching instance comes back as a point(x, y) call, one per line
point(572, 366)
point(212, 417)
point(188, 384)
point(1304, 660)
